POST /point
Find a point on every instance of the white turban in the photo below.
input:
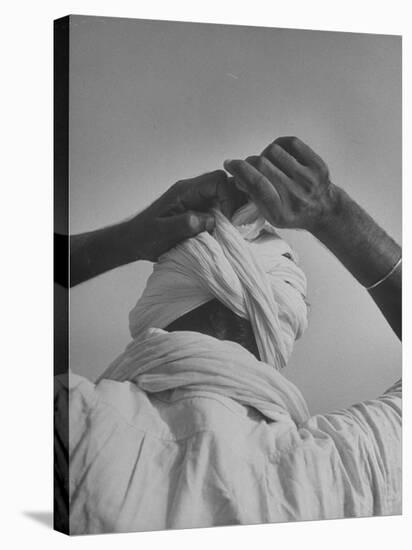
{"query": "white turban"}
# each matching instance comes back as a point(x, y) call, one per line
point(242, 264)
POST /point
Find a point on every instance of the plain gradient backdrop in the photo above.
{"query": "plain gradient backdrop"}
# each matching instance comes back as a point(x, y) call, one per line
point(155, 102)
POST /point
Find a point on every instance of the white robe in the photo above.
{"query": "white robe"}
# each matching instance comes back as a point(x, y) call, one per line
point(184, 431)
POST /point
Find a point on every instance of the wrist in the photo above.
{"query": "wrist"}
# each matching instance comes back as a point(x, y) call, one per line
point(336, 204)
point(128, 242)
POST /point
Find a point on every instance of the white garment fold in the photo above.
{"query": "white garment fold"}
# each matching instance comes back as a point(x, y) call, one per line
point(175, 440)
point(191, 361)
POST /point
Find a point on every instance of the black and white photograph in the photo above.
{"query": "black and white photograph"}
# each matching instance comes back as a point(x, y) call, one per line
point(228, 288)
point(228, 275)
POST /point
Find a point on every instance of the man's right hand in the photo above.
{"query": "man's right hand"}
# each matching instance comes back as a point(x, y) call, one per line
point(289, 183)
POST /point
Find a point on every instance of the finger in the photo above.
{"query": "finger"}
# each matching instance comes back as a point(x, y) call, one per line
point(261, 190)
point(220, 192)
point(283, 160)
point(183, 226)
point(234, 198)
point(273, 174)
point(239, 185)
point(199, 193)
point(202, 192)
point(301, 152)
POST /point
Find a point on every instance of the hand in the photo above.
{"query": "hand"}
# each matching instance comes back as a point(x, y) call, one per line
point(182, 212)
point(289, 183)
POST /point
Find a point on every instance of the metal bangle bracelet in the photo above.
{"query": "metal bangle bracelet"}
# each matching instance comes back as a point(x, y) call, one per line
point(394, 268)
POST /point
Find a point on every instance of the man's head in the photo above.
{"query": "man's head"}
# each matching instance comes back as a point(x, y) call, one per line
point(237, 284)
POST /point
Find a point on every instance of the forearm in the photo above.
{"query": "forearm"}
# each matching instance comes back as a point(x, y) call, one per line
point(291, 185)
point(99, 251)
point(367, 252)
point(180, 213)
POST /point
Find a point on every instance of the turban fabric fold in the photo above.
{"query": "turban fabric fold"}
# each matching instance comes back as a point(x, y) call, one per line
point(242, 264)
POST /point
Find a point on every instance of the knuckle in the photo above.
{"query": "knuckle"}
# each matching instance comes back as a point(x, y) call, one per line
point(259, 163)
point(276, 150)
point(288, 141)
point(179, 185)
point(219, 175)
point(285, 139)
point(253, 159)
point(323, 170)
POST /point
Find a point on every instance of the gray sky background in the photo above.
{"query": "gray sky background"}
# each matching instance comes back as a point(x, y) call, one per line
point(155, 102)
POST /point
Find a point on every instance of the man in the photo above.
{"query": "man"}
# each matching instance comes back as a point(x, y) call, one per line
point(294, 467)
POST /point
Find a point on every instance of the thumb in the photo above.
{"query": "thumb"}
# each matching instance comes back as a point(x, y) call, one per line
point(189, 224)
